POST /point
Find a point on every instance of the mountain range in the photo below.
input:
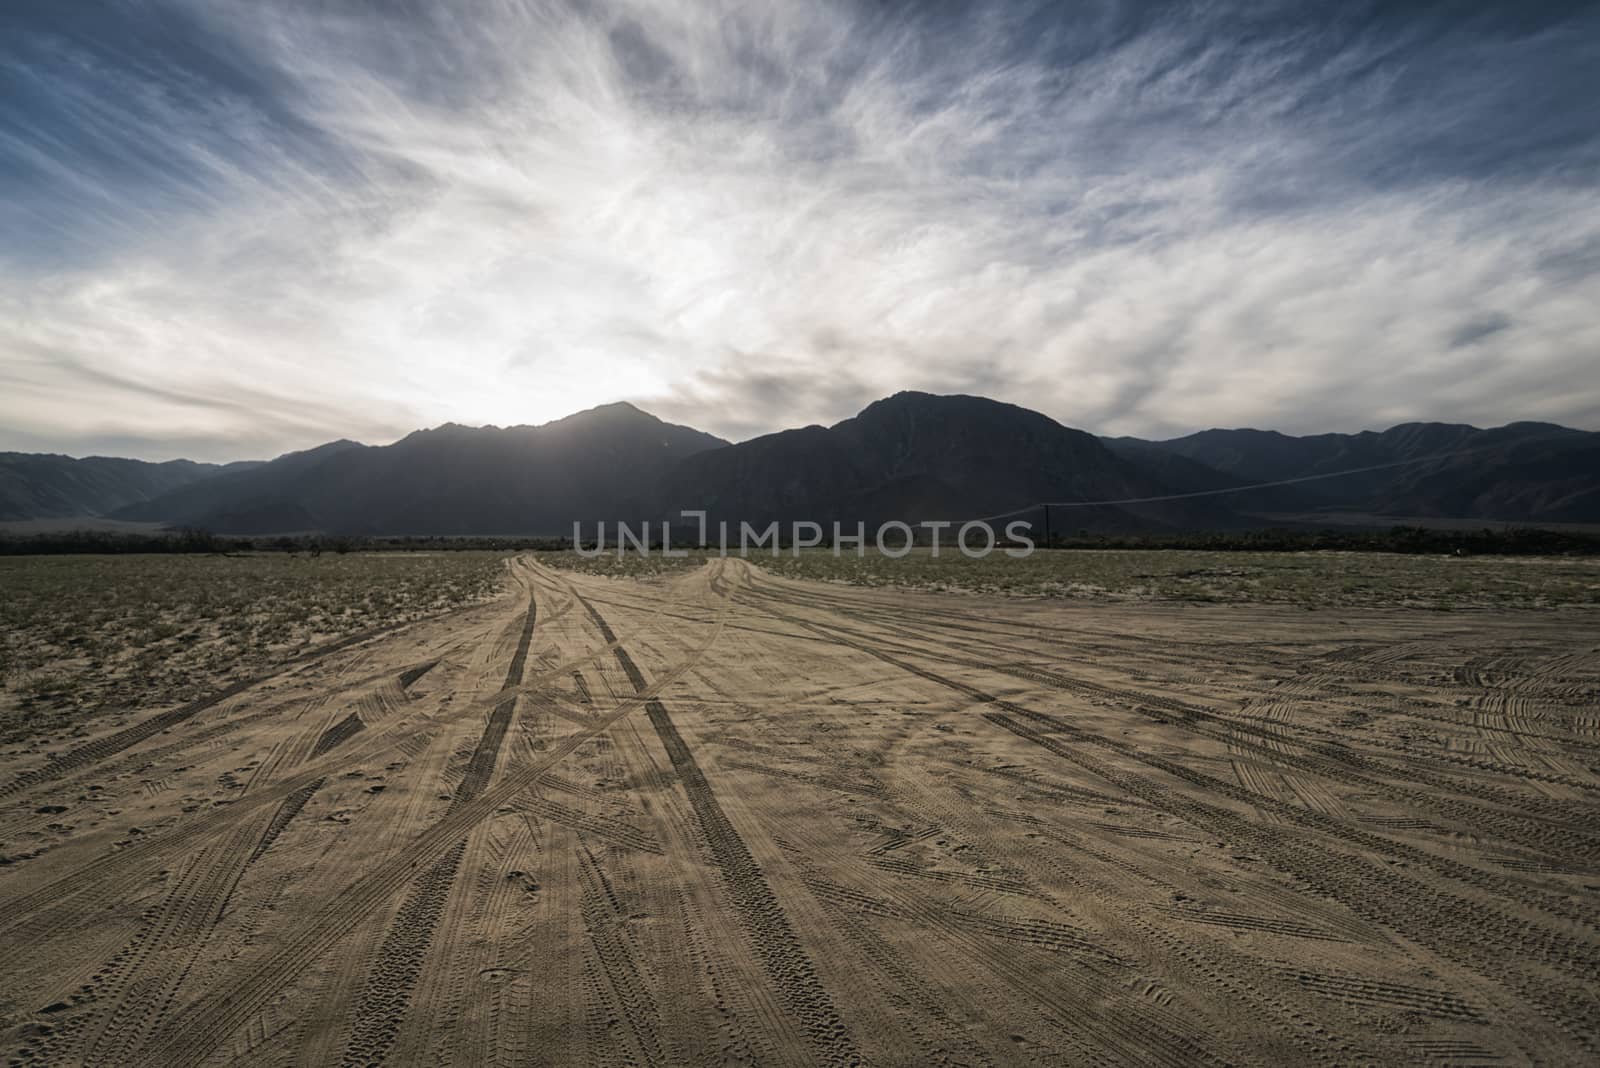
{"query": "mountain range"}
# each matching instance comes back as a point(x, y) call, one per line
point(48, 486)
point(912, 456)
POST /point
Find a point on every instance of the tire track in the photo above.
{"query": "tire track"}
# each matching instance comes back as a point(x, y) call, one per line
point(205, 1025)
point(104, 748)
point(337, 734)
point(618, 966)
point(1455, 928)
point(1561, 832)
point(178, 934)
point(794, 977)
point(383, 1003)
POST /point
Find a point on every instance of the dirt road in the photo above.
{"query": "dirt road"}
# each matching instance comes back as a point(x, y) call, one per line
point(737, 819)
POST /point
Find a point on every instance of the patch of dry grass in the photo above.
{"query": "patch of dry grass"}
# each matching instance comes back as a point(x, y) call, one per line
point(80, 634)
point(1310, 579)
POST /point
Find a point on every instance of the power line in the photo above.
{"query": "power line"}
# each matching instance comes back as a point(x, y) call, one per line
point(1238, 489)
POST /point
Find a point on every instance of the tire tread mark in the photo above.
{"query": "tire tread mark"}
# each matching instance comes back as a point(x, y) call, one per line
point(339, 733)
point(772, 937)
point(382, 1005)
point(112, 744)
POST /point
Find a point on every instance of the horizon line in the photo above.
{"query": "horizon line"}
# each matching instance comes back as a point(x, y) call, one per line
point(635, 406)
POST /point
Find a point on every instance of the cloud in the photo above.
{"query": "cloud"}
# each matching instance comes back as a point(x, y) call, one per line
point(276, 224)
point(1475, 330)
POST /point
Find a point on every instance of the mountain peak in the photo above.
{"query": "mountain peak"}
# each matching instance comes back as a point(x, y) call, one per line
point(327, 448)
point(443, 430)
point(615, 414)
point(917, 401)
point(910, 407)
point(624, 418)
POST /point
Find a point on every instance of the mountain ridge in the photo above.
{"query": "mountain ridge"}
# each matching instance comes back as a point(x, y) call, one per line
point(911, 455)
point(1524, 471)
point(52, 485)
point(448, 480)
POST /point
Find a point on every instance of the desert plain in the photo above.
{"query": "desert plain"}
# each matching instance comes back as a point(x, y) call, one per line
point(725, 815)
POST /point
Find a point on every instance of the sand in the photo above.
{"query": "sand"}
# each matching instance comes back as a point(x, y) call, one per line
point(735, 819)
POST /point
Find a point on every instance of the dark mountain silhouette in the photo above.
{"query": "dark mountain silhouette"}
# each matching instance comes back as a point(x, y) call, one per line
point(264, 497)
point(1524, 472)
point(916, 456)
point(47, 486)
point(603, 463)
point(912, 456)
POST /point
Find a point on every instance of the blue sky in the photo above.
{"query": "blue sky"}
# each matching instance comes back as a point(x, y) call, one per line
point(229, 229)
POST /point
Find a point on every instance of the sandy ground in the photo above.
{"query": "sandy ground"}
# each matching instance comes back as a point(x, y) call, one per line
point(737, 819)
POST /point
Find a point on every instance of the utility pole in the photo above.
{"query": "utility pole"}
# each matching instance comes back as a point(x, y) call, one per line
point(1046, 526)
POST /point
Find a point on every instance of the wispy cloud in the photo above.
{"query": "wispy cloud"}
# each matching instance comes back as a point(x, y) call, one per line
point(265, 225)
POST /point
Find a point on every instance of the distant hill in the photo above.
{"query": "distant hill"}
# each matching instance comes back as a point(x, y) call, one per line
point(917, 456)
point(1523, 472)
point(603, 463)
point(47, 486)
point(258, 499)
point(912, 456)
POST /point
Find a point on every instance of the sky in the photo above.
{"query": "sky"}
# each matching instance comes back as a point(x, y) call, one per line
point(233, 228)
